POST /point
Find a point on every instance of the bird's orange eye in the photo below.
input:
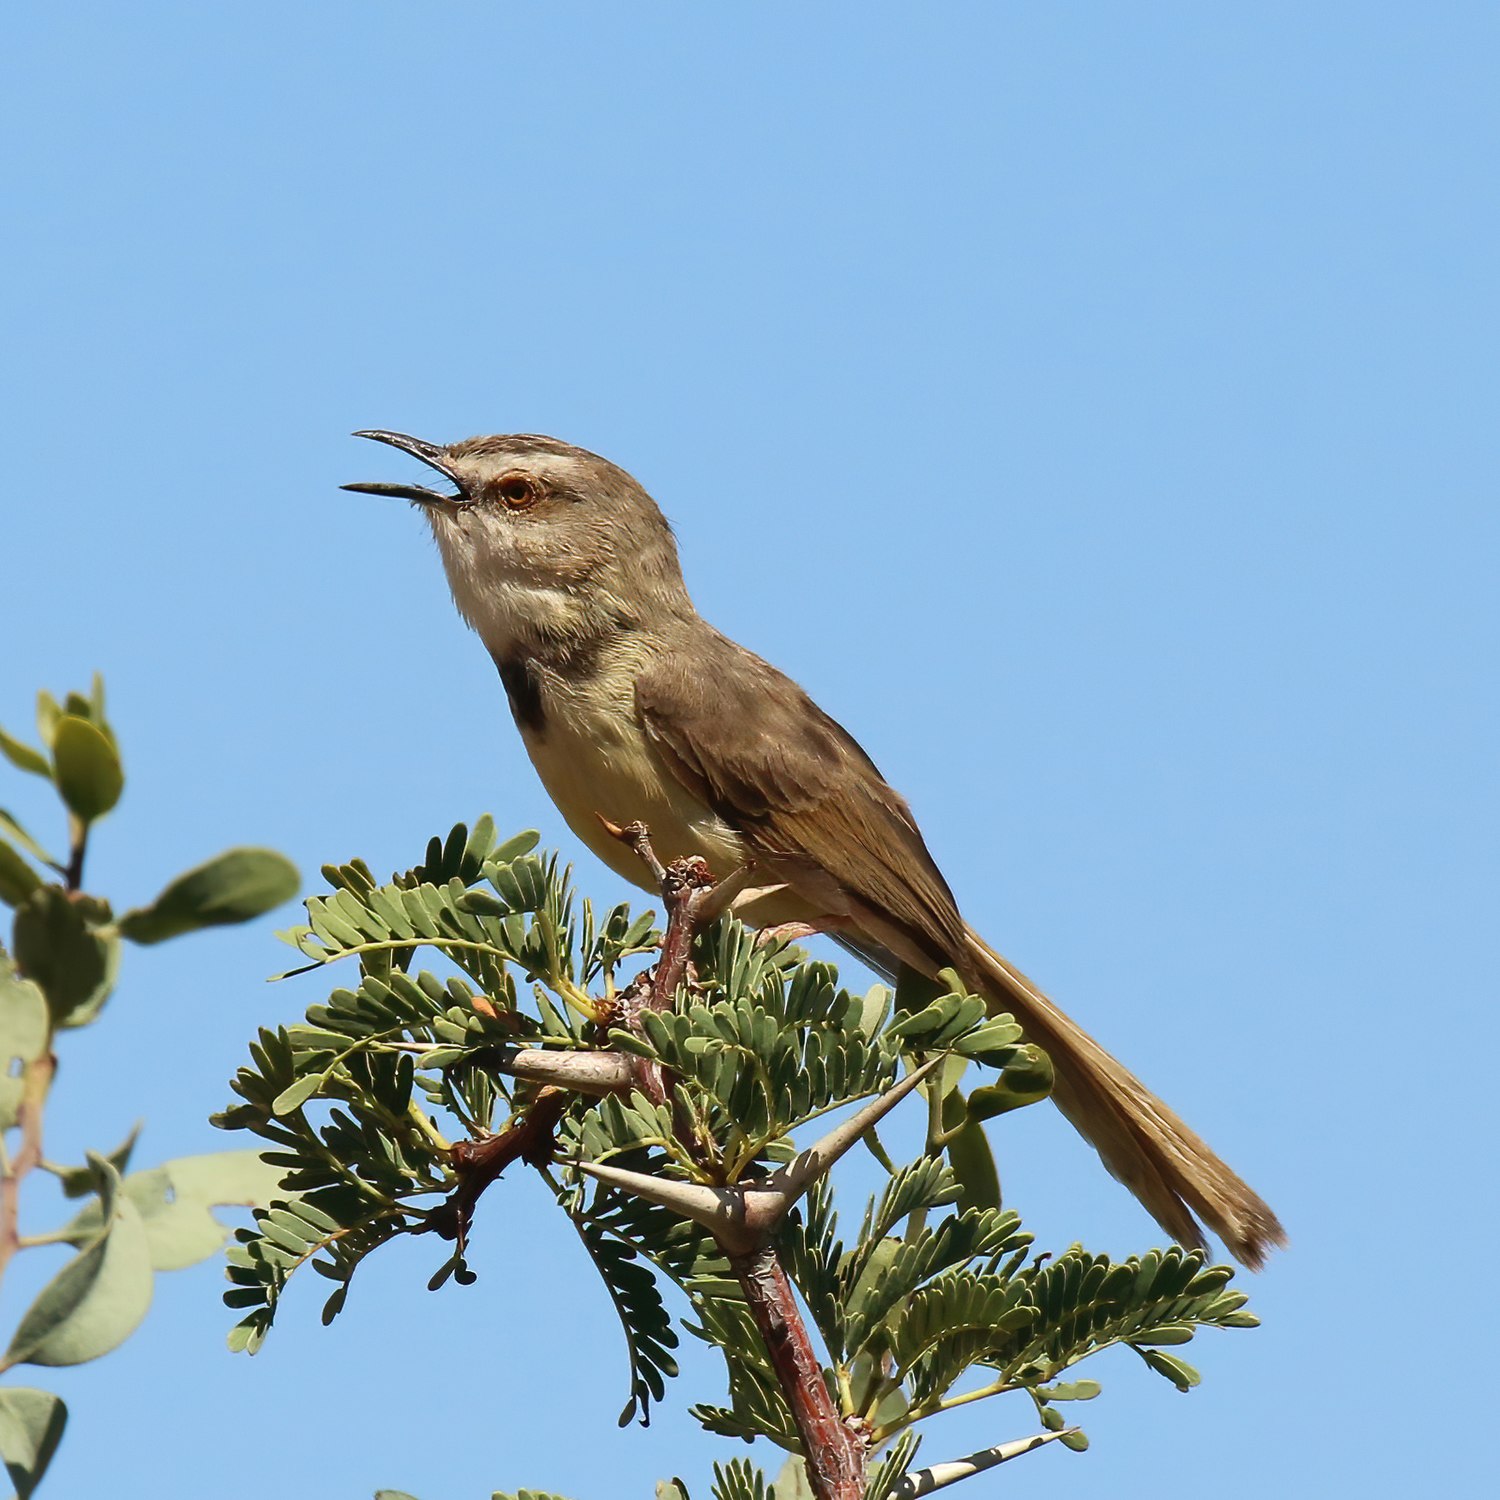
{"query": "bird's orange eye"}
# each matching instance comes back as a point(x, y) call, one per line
point(517, 491)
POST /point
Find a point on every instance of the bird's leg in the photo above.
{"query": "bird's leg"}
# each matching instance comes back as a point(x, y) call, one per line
point(687, 888)
point(638, 836)
point(689, 892)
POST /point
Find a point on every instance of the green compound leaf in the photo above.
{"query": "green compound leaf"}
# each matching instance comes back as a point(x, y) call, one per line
point(1178, 1371)
point(764, 1041)
point(649, 1336)
point(98, 1299)
point(235, 886)
point(88, 770)
point(31, 1426)
point(739, 1479)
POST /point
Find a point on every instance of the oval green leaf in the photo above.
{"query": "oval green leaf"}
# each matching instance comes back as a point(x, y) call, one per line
point(74, 965)
point(76, 1181)
point(24, 757)
point(89, 774)
point(180, 1230)
point(48, 712)
point(1178, 1371)
point(23, 1038)
point(12, 830)
point(1076, 1390)
point(31, 1426)
point(17, 879)
point(295, 1095)
point(1026, 1079)
point(98, 1298)
point(235, 886)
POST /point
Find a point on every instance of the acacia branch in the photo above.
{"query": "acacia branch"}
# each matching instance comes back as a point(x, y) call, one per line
point(528, 1137)
point(686, 886)
point(742, 1217)
point(835, 1451)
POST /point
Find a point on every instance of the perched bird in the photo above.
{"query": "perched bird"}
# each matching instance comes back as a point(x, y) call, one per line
point(634, 708)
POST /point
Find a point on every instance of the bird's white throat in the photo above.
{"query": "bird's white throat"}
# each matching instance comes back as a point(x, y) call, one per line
point(506, 604)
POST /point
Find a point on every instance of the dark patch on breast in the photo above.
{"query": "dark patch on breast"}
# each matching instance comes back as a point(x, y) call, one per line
point(524, 690)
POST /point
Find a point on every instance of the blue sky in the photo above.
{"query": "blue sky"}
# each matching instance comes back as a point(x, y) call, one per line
point(1093, 406)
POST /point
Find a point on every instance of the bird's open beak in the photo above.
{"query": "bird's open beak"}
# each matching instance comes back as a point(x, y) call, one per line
point(429, 453)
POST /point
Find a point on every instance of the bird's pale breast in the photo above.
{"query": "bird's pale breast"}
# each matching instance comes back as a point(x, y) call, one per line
point(593, 758)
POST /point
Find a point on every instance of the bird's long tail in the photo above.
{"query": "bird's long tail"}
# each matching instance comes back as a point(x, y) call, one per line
point(1168, 1168)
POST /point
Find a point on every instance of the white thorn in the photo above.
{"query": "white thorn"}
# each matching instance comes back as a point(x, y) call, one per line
point(774, 1196)
point(743, 1217)
point(724, 894)
point(721, 1211)
point(587, 1072)
point(925, 1481)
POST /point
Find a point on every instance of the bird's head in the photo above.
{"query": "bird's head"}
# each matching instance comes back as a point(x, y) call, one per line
point(539, 537)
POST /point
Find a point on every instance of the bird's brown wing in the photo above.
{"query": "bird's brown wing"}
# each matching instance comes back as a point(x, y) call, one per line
point(756, 749)
point(752, 746)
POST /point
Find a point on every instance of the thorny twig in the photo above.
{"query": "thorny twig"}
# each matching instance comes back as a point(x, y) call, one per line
point(834, 1447)
point(685, 887)
point(742, 1216)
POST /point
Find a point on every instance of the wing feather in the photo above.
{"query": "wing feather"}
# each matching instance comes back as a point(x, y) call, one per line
point(758, 751)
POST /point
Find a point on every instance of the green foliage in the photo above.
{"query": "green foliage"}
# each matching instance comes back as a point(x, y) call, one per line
point(25, 1039)
point(649, 1335)
point(58, 971)
point(892, 1467)
point(99, 1297)
point(232, 887)
point(374, 1108)
point(31, 1427)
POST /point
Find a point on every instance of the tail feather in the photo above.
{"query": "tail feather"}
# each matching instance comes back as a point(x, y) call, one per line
point(1142, 1143)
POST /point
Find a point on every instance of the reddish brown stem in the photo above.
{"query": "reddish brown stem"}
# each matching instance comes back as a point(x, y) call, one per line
point(527, 1138)
point(835, 1453)
point(686, 891)
point(37, 1079)
point(73, 875)
point(686, 887)
point(835, 1450)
